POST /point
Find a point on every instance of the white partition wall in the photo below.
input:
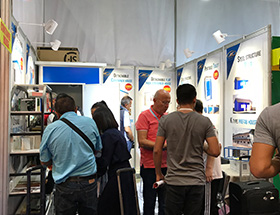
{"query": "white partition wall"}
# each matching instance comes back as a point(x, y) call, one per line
point(209, 86)
point(247, 88)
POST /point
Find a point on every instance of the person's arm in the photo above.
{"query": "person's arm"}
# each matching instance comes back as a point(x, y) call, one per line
point(158, 157)
point(214, 148)
point(209, 168)
point(143, 141)
point(262, 165)
point(129, 133)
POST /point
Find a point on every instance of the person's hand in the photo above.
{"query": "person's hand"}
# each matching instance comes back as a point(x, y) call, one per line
point(159, 177)
point(209, 173)
point(164, 146)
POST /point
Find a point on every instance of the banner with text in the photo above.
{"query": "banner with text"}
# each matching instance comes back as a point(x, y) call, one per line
point(246, 88)
point(149, 81)
point(210, 89)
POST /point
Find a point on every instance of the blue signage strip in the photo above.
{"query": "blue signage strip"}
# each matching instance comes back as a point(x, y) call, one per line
point(85, 75)
point(231, 53)
point(143, 76)
point(179, 73)
point(200, 66)
point(107, 72)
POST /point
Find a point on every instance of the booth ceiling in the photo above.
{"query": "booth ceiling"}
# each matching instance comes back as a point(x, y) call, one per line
point(142, 32)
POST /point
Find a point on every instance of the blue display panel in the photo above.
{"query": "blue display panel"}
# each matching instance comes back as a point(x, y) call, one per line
point(87, 75)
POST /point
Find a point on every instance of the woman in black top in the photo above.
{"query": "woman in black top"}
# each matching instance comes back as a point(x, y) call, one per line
point(115, 156)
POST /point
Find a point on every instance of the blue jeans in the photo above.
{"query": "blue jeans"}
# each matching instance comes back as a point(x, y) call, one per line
point(73, 196)
point(149, 194)
point(187, 200)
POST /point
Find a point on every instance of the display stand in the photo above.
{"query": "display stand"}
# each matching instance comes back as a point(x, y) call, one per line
point(29, 105)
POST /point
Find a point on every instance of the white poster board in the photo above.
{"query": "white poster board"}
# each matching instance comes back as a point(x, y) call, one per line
point(151, 80)
point(210, 89)
point(116, 84)
point(18, 59)
point(246, 88)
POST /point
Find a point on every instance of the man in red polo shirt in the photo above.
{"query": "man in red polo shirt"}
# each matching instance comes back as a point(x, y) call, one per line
point(147, 126)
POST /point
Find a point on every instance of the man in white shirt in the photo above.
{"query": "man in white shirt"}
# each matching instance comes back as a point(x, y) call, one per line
point(125, 125)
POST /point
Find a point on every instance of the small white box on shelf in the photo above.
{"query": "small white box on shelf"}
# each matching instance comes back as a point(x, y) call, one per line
point(235, 165)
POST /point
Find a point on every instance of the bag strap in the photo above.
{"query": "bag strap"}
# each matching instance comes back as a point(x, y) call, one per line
point(82, 134)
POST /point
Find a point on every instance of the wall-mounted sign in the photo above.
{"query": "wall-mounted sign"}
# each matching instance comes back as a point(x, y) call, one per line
point(5, 36)
point(209, 89)
point(246, 89)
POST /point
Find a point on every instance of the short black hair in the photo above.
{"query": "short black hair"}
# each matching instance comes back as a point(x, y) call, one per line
point(185, 94)
point(198, 106)
point(104, 119)
point(99, 104)
point(64, 103)
point(126, 100)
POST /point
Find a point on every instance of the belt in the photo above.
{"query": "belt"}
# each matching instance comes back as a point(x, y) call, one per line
point(81, 178)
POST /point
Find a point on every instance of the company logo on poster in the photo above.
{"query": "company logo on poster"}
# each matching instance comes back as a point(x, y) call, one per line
point(128, 87)
point(167, 88)
point(216, 75)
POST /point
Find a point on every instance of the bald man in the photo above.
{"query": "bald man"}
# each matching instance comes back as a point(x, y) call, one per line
point(147, 126)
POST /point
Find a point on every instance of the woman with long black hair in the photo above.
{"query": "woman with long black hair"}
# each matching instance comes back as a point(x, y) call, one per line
point(116, 156)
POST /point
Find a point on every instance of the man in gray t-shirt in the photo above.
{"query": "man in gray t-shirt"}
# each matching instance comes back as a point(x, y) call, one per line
point(266, 140)
point(185, 132)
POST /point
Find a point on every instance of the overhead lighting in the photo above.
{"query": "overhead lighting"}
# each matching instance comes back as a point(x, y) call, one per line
point(118, 63)
point(188, 53)
point(162, 65)
point(49, 26)
point(221, 37)
point(54, 45)
point(168, 63)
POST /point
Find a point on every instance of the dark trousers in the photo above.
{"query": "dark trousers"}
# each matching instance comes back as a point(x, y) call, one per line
point(149, 194)
point(76, 196)
point(215, 186)
point(185, 200)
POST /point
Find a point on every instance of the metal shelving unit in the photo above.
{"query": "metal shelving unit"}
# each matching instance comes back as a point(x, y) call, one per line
point(29, 104)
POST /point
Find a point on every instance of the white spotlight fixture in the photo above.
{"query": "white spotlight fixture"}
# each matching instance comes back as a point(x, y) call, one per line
point(118, 63)
point(49, 26)
point(54, 45)
point(162, 66)
point(168, 63)
point(188, 53)
point(220, 37)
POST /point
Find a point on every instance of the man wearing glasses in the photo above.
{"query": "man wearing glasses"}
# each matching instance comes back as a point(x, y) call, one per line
point(147, 126)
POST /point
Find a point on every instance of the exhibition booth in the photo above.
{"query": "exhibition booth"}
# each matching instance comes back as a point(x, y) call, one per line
point(233, 82)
